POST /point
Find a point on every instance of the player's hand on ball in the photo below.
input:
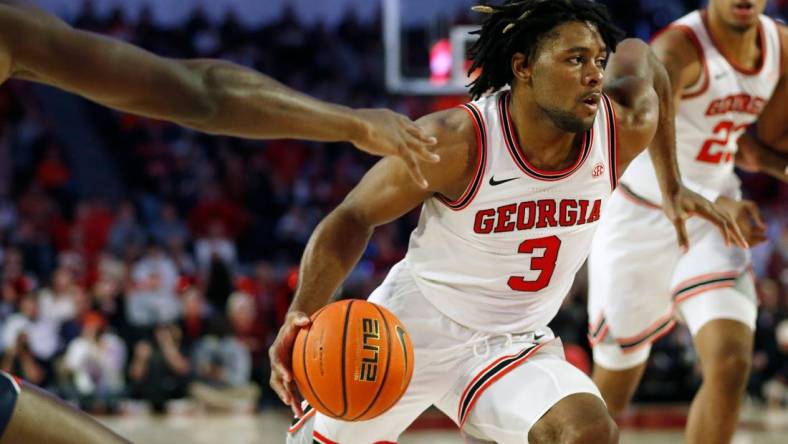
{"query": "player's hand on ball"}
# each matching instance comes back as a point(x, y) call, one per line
point(747, 216)
point(686, 203)
point(280, 355)
point(392, 134)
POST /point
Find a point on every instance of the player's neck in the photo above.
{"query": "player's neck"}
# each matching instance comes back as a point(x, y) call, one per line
point(542, 143)
point(741, 46)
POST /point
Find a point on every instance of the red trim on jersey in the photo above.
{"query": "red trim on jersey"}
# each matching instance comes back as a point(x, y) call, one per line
point(634, 198)
point(593, 341)
point(733, 63)
point(594, 326)
point(783, 55)
point(322, 439)
point(598, 330)
point(516, 152)
point(301, 422)
point(658, 334)
point(481, 162)
point(703, 277)
point(613, 142)
point(648, 330)
point(712, 283)
point(16, 381)
point(701, 290)
point(491, 378)
point(656, 330)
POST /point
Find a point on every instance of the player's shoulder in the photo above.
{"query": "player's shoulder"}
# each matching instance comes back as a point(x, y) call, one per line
point(454, 128)
point(456, 132)
point(450, 121)
point(680, 42)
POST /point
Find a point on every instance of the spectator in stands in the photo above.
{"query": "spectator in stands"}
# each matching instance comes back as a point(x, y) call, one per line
point(196, 314)
point(126, 234)
point(29, 342)
point(159, 369)
point(56, 302)
point(94, 363)
point(152, 300)
point(223, 370)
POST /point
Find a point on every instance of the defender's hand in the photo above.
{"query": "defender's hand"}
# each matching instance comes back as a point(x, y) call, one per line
point(391, 134)
point(280, 355)
point(685, 203)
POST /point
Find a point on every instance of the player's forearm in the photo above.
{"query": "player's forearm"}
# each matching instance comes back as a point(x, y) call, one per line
point(642, 62)
point(214, 96)
point(638, 81)
point(249, 104)
point(331, 253)
point(662, 149)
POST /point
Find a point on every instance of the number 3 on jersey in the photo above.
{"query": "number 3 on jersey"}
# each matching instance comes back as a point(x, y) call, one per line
point(544, 264)
point(709, 153)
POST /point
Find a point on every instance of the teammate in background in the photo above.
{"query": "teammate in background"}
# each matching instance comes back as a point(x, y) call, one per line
point(505, 224)
point(727, 71)
point(211, 96)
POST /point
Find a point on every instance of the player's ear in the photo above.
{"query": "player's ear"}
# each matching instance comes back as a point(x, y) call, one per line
point(520, 67)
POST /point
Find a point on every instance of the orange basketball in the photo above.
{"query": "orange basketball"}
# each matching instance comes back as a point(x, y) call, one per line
point(354, 361)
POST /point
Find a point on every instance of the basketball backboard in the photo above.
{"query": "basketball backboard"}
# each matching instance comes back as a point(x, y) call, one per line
point(425, 45)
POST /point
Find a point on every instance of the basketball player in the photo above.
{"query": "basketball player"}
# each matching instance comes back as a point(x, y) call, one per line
point(505, 225)
point(211, 96)
point(727, 70)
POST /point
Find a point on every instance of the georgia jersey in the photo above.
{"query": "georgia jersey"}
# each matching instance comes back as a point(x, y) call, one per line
point(713, 112)
point(502, 257)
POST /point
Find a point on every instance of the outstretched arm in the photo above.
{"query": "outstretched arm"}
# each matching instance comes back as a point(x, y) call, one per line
point(642, 90)
point(212, 96)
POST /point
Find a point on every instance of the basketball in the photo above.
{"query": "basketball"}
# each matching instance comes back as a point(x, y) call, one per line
point(354, 361)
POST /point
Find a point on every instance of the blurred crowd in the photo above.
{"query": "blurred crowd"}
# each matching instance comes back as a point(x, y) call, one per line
point(176, 288)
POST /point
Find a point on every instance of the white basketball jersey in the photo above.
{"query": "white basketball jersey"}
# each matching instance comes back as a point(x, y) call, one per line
point(502, 257)
point(714, 112)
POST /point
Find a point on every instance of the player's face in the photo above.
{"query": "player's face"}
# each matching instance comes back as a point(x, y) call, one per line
point(566, 75)
point(739, 15)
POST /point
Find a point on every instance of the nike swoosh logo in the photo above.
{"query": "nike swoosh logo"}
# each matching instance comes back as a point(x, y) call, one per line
point(494, 182)
point(538, 337)
point(401, 334)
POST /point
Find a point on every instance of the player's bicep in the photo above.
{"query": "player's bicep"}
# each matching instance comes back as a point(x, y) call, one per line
point(629, 82)
point(385, 193)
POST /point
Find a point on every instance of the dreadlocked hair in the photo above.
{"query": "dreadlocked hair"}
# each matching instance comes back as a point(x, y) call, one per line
point(519, 26)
